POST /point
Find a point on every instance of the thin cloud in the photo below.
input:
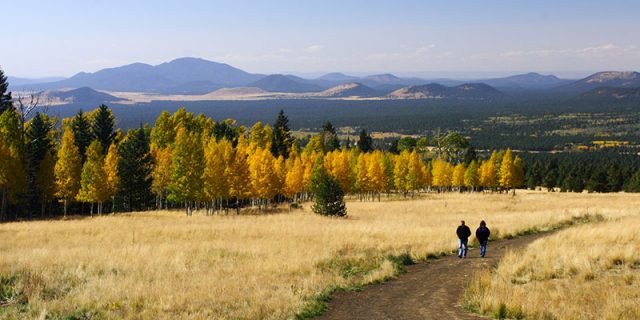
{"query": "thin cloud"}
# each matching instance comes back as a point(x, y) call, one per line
point(314, 48)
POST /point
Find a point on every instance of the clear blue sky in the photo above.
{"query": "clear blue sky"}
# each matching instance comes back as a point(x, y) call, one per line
point(463, 37)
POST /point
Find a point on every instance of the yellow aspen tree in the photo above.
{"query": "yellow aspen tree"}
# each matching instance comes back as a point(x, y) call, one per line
point(472, 176)
point(442, 173)
point(93, 188)
point(187, 168)
point(68, 169)
point(400, 172)
point(415, 179)
point(388, 164)
point(375, 173)
point(427, 178)
point(294, 178)
point(112, 179)
point(215, 182)
point(506, 170)
point(238, 175)
point(362, 177)
point(260, 136)
point(280, 171)
point(341, 170)
point(161, 174)
point(488, 177)
point(458, 175)
point(518, 172)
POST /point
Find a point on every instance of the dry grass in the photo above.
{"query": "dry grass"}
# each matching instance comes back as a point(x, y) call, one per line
point(166, 265)
point(587, 272)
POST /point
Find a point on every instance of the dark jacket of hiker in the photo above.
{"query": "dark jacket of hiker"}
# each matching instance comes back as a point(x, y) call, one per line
point(483, 233)
point(463, 232)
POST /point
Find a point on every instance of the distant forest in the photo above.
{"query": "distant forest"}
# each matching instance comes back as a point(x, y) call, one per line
point(523, 122)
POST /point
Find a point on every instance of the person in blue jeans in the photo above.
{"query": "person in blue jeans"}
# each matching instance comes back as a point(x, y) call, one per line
point(482, 234)
point(463, 233)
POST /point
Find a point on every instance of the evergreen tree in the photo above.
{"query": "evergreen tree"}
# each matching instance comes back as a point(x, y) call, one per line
point(615, 180)
point(328, 196)
point(598, 181)
point(6, 101)
point(102, 126)
point(365, 142)
point(135, 165)
point(330, 138)
point(633, 185)
point(282, 140)
point(82, 132)
point(68, 169)
point(470, 155)
point(38, 145)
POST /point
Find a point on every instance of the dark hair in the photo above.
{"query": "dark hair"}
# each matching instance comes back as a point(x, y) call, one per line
point(482, 223)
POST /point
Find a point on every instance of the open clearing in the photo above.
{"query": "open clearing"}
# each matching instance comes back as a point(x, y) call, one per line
point(270, 266)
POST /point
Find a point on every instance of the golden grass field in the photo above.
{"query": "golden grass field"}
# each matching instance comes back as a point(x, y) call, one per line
point(587, 272)
point(164, 265)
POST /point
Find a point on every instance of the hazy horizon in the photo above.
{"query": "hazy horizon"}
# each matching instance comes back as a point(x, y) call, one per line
point(431, 39)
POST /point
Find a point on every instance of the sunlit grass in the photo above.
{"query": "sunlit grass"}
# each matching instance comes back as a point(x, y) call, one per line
point(166, 265)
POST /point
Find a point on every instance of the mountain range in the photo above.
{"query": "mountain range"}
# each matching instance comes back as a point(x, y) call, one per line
point(195, 76)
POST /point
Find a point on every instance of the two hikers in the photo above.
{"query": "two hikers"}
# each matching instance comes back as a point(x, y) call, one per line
point(463, 232)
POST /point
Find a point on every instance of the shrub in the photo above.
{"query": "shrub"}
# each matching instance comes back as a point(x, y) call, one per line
point(328, 195)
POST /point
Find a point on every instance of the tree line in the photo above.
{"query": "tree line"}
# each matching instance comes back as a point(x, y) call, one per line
point(186, 161)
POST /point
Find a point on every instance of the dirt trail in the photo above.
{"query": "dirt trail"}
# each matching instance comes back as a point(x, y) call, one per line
point(431, 290)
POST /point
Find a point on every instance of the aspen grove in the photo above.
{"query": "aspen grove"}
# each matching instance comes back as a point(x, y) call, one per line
point(193, 162)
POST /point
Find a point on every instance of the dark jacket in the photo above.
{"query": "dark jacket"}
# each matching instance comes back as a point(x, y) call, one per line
point(463, 232)
point(483, 234)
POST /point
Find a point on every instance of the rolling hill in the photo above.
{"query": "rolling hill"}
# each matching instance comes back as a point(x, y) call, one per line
point(81, 96)
point(285, 83)
point(475, 91)
point(612, 79)
point(527, 81)
point(353, 89)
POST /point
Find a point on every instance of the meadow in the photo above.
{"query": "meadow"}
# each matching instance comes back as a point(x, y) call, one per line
point(587, 272)
point(164, 265)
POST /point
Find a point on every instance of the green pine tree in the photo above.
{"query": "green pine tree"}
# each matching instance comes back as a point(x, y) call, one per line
point(328, 195)
point(6, 101)
point(102, 126)
point(81, 128)
point(282, 140)
point(365, 142)
point(135, 165)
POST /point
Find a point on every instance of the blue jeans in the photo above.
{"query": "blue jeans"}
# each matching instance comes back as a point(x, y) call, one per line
point(483, 248)
point(462, 247)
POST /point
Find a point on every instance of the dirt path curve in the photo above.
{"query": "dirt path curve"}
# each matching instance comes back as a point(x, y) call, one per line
point(431, 290)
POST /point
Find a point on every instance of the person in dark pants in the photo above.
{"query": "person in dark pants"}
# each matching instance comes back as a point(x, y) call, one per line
point(482, 234)
point(463, 233)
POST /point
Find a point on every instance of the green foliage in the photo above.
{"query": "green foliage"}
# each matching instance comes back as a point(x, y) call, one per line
point(328, 195)
point(81, 128)
point(365, 142)
point(6, 101)
point(102, 126)
point(282, 140)
point(134, 168)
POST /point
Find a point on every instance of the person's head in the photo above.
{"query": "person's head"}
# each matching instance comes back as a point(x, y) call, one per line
point(483, 224)
point(462, 222)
